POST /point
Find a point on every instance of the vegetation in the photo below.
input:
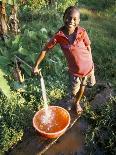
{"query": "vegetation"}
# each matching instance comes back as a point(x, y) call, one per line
point(19, 101)
point(101, 135)
point(98, 5)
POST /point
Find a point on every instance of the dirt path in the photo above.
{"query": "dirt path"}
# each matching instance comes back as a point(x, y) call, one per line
point(71, 143)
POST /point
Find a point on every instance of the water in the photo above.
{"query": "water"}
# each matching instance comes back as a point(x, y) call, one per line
point(51, 119)
point(57, 120)
point(44, 94)
point(72, 142)
point(47, 117)
point(46, 120)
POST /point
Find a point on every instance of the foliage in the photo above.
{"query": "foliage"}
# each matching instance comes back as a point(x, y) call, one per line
point(103, 48)
point(59, 5)
point(4, 86)
point(37, 4)
point(15, 117)
point(63, 4)
point(101, 135)
point(98, 5)
point(110, 12)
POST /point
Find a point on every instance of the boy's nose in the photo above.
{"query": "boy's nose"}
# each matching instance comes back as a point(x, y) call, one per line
point(71, 20)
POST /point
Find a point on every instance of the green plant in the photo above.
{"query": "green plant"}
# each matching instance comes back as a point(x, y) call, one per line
point(62, 5)
point(98, 5)
point(37, 4)
point(15, 117)
point(4, 86)
point(101, 134)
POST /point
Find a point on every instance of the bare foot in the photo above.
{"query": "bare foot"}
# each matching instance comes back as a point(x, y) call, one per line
point(79, 110)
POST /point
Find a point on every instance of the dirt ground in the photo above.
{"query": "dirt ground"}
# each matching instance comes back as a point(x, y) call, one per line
point(72, 142)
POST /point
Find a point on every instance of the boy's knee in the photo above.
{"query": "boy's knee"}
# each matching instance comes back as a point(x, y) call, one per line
point(75, 90)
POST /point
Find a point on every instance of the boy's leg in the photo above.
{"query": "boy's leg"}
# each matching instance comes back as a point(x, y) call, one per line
point(78, 87)
point(78, 98)
point(91, 79)
point(80, 94)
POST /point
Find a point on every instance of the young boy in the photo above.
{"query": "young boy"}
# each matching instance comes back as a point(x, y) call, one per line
point(75, 45)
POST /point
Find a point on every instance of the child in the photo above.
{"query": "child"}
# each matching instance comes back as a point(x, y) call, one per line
point(75, 45)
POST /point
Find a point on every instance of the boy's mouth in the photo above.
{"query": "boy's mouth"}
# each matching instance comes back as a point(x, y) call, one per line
point(70, 25)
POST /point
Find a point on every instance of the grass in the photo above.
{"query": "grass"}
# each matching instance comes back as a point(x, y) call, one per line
point(102, 35)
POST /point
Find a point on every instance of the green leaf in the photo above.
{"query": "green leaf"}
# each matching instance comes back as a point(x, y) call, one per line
point(4, 87)
point(26, 69)
point(15, 43)
point(23, 51)
point(18, 86)
point(4, 52)
point(43, 30)
point(4, 61)
point(32, 35)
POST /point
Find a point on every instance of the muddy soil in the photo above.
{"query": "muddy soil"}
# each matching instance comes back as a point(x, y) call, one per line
point(71, 143)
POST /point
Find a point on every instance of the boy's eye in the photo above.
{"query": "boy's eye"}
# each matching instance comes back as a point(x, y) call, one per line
point(69, 18)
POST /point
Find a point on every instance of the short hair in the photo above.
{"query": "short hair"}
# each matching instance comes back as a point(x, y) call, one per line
point(70, 9)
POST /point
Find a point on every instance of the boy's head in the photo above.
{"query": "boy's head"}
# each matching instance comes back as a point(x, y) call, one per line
point(71, 17)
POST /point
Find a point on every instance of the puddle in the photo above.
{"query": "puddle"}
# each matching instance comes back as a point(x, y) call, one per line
point(71, 143)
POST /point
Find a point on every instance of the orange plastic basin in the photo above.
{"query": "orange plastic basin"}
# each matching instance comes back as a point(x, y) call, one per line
point(53, 123)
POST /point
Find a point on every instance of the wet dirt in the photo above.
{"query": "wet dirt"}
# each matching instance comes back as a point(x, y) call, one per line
point(71, 143)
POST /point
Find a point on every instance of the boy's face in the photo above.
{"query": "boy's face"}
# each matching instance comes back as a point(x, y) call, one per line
point(71, 20)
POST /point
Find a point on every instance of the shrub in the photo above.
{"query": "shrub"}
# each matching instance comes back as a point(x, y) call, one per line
point(99, 5)
point(101, 135)
point(37, 4)
point(63, 4)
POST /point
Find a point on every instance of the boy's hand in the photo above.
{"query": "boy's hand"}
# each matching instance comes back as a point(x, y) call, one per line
point(36, 70)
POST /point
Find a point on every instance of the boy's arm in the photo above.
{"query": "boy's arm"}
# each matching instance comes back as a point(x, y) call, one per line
point(40, 57)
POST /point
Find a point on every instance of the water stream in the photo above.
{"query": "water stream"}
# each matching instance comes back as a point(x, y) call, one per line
point(44, 93)
point(48, 116)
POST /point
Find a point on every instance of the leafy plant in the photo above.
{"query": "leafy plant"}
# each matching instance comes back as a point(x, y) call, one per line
point(37, 4)
point(103, 4)
point(4, 86)
point(101, 134)
point(62, 5)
